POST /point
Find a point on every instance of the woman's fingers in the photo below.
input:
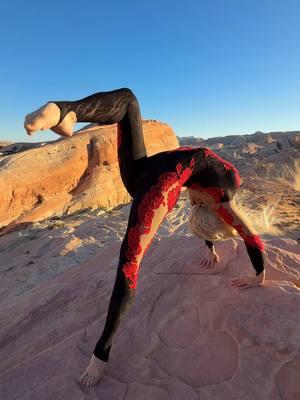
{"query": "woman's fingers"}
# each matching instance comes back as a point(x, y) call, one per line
point(247, 282)
point(241, 283)
point(203, 262)
point(238, 282)
point(208, 262)
point(245, 287)
point(211, 261)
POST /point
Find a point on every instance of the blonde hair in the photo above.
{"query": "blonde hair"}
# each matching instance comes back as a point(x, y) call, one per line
point(207, 225)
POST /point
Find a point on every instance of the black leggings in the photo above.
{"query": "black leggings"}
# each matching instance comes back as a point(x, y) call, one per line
point(119, 106)
point(154, 183)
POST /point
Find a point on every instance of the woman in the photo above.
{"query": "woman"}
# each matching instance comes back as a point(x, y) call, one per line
point(154, 183)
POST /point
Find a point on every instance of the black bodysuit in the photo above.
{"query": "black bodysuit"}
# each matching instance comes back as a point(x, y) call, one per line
point(154, 184)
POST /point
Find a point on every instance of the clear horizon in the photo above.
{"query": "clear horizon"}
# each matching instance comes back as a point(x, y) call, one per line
point(51, 136)
point(206, 68)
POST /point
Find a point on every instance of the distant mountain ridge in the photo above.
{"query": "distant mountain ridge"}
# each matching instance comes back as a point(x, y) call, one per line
point(288, 137)
point(266, 155)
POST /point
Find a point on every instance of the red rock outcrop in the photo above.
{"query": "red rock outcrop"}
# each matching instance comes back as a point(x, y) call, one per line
point(68, 175)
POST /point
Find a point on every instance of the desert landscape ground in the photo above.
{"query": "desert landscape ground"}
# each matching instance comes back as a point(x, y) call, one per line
point(189, 334)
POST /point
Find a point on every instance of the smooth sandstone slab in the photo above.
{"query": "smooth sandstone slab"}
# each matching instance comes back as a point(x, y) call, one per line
point(188, 335)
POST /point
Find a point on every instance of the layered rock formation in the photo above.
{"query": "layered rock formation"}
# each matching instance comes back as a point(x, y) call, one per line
point(42, 180)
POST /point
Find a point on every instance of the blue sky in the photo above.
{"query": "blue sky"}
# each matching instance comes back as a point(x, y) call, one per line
point(207, 68)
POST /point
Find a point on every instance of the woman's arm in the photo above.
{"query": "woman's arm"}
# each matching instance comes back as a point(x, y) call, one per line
point(254, 245)
point(212, 257)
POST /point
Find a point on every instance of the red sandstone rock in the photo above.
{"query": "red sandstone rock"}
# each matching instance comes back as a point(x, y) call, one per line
point(69, 175)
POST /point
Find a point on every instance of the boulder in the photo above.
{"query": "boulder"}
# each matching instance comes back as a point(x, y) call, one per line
point(68, 175)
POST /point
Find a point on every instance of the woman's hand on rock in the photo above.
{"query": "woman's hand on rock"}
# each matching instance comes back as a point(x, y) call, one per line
point(247, 282)
point(209, 259)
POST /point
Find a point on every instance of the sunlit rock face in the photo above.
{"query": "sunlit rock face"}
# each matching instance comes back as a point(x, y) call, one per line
point(190, 141)
point(251, 148)
point(42, 180)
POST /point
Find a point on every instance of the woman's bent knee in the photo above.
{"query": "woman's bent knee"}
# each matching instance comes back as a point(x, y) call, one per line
point(129, 93)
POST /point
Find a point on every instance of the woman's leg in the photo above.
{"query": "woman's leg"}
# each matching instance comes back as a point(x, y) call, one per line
point(132, 157)
point(156, 194)
point(104, 108)
point(149, 207)
point(119, 106)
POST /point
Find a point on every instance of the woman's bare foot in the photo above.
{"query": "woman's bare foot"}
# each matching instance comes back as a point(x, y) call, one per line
point(47, 117)
point(93, 373)
point(66, 127)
